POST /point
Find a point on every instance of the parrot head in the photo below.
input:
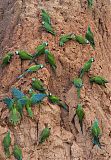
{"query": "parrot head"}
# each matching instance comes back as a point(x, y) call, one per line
point(79, 105)
point(46, 125)
point(45, 43)
point(43, 23)
point(46, 51)
point(92, 59)
point(33, 79)
point(41, 65)
point(50, 94)
point(17, 52)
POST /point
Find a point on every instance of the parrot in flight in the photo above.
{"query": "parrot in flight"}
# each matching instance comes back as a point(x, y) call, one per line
point(31, 69)
point(48, 28)
point(45, 17)
point(40, 49)
point(65, 38)
point(27, 101)
point(50, 59)
point(14, 115)
point(38, 85)
point(78, 83)
point(80, 114)
point(24, 55)
point(17, 152)
point(90, 3)
point(44, 134)
point(6, 144)
point(96, 132)
point(98, 80)
point(86, 67)
point(56, 100)
point(22, 100)
point(90, 37)
point(6, 59)
point(80, 39)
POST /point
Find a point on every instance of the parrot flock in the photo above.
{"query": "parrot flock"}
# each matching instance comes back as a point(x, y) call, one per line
point(38, 92)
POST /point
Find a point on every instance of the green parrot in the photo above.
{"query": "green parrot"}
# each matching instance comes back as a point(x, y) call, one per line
point(98, 80)
point(64, 38)
point(24, 55)
point(80, 39)
point(50, 59)
point(6, 144)
point(48, 28)
point(14, 116)
point(45, 17)
point(38, 85)
point(6, 59)
point(90, 37)
point(56, 100)
point(96, 132)
point(90, 3)
point(28, 107)
point(80, 113)
point(40, 49)
point(19, 107)
point(86, 67)
point(44, 134)
point(78, 83)
point(31, 69)
point(17, 152)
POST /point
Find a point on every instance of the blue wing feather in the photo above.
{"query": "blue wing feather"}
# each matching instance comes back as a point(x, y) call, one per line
point(17, 93)
point(36, 98)
point(22, 101)
point(9, 102)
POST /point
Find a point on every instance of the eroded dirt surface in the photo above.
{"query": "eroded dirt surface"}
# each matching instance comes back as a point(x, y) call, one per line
point(20, 28)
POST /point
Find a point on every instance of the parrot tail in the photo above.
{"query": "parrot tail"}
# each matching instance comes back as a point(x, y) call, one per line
point(7, 152)
point(29, 111)
point(81, 73)
point(22, 75)
point(78, 92)
point(54, 67)
point(64, 106)
point(81, 125)
point(96, 142)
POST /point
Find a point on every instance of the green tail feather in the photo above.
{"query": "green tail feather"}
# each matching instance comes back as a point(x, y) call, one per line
point(78, 92)
point(81, 73)
point(29, 111)
point(81, 125)
point(64, 106)
point(96, 142)
point(7, 152)
point(22, 75)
